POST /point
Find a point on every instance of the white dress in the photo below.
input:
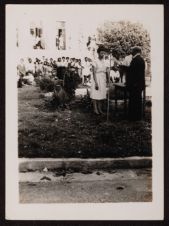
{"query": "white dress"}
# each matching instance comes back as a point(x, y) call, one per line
point(100, 68)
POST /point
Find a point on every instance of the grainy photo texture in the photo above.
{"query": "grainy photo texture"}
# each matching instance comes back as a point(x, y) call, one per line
point(84, 105)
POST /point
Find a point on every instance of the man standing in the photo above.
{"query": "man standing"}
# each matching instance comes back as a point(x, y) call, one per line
point(136, 84)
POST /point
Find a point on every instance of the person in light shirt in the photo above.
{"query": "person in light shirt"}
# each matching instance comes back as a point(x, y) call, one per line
point(114, 74)
point(109, 63)
point(124, 66)
point(63, 62)
point(127, 60)
point(30, 70)
point(21, 72)
point(85, 70)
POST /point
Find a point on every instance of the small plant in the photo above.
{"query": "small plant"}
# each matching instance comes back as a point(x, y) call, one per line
point(59, 98)
point(47, 84)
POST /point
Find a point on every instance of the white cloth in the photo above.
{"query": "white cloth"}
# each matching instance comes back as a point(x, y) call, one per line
point(100, 70)
point(77, 65)
point(21, 70)
point(29, 78)
point(66, 63)
point(59, 64)
point(40, 68)
point(107, 62)
point(86, 68)
point(30, 67)
point(127, 60)
point(63, 64)
point(114, 74)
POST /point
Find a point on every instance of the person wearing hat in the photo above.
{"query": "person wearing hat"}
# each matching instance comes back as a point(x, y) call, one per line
point(136, 84)
point(98, 81)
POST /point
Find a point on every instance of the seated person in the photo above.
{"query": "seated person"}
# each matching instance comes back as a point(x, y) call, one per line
point(114, 74)
point(30, 71)
point(21, 72)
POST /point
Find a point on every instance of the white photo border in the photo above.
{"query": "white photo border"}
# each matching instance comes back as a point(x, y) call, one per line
point(154, 16)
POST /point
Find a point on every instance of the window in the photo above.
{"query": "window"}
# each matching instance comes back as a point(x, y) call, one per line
point(60, 35)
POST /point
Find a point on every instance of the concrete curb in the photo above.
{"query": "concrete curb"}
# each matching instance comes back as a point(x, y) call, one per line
point(84, 164)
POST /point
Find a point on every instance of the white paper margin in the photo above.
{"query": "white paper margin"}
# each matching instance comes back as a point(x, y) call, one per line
point(152, 16)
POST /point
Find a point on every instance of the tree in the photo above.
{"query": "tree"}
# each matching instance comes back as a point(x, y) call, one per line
point(121, 36)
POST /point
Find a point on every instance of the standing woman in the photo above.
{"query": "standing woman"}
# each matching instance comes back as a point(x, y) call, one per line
point(98, 86)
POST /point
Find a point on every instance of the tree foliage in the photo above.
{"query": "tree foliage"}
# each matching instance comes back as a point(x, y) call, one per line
point(121, 36)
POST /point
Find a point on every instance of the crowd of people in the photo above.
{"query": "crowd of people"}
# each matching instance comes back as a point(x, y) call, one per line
point(96, 73)
point(28, 69)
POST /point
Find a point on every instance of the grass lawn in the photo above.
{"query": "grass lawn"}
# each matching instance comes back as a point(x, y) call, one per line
point(76, 132)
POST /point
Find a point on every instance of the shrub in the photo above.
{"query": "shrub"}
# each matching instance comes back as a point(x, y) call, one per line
point(59, 98)
point(47, 84)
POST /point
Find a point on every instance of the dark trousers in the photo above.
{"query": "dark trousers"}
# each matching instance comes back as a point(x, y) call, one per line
point(135, 105)
point(60, 72)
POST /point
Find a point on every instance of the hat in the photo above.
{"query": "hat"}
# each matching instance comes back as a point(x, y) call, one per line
point(101, 48)
point(136, 49)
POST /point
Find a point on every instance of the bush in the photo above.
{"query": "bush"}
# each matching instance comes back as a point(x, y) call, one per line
point(48, 85)
point(59, 99)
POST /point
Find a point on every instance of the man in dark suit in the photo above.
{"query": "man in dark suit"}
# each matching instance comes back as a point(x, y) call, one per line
point(136, 84)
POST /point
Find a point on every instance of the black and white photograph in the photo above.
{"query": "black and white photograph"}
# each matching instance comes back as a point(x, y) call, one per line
point(84, 93)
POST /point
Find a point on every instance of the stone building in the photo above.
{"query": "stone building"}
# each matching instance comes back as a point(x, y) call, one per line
point(51, 37)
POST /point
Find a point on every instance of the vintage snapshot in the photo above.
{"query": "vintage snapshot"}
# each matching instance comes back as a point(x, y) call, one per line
point(84, 112)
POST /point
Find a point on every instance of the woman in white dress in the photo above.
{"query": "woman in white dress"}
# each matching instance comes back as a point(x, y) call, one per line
point(98, 86)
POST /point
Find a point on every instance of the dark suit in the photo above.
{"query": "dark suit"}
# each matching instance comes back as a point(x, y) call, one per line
point(135, 85)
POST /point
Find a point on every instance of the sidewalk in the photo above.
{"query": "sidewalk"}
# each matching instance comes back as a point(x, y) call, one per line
point(127, 185)
point(85, 180)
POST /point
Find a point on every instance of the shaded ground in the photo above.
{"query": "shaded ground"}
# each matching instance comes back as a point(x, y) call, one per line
point(76, 132)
